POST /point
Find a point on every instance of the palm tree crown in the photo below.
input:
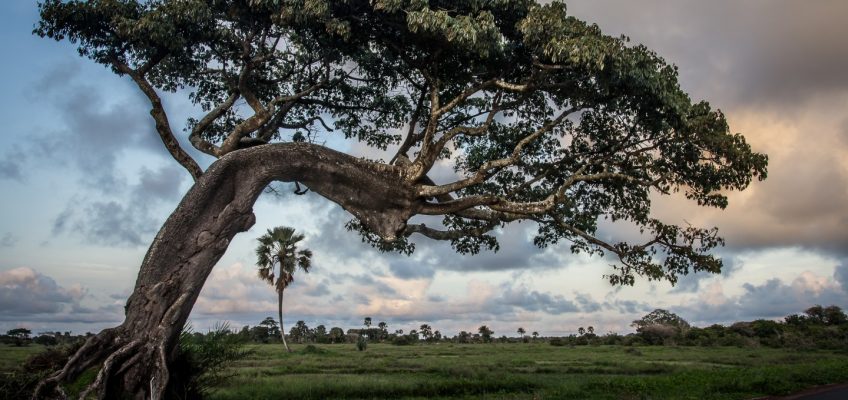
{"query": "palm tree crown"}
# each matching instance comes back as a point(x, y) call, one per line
point(278, 257)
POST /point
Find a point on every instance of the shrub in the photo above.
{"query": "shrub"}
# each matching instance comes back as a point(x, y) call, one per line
point(766, 328)
point(311, 349)
point(611, 339)
point(361, 343)
point(45, 340)
point(557, 342)
point(633, 351)
point(401, 340)
point(202, 361)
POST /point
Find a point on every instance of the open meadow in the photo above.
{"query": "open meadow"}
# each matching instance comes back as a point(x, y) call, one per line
point(515, 371)
point(528, 371)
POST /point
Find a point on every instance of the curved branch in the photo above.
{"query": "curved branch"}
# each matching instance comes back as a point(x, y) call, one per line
point(384, 207)
point(471, 91)
point(411, 136)
point(196, 235)
point(429, 159)
point(264, 114)
point(195, 137)
point(455, 206)
point(484, 172)
point(438, 234)
point(157, 111)
point(430, 148)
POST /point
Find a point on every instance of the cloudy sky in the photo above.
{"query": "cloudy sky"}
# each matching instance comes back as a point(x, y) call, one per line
point(85, 184)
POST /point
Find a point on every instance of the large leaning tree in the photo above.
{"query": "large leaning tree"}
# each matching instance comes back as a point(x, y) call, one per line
point(541, 117)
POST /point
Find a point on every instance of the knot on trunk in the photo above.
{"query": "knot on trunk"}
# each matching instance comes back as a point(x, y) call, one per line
point(204, 238)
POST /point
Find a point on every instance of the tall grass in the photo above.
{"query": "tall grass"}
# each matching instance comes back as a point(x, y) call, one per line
point(528, 371)
point(202, 362)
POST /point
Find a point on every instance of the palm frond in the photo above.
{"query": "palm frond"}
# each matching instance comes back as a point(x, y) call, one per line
point(278, 249)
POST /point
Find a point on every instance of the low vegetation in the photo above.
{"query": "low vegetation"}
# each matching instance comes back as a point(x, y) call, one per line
point(202, 363)
point(817, 328)
point(528, 371)
point(665, 359)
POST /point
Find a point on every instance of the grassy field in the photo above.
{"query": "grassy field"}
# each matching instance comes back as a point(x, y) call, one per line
point(528, 371)
point(518, 371)
point(13, 356)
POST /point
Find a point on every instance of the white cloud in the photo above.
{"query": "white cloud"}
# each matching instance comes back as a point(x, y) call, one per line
point(773, 299)
point(28, 297)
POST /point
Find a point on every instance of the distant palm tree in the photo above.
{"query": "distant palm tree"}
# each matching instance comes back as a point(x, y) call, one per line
point(384, 330)
point(521, 332)
point(278, 258)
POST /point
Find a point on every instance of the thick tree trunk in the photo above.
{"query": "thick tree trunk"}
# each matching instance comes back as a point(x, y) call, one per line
point(132, 359)
point(282, 330)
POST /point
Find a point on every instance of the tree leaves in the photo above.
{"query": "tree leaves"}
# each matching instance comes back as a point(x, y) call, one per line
point(543, 117)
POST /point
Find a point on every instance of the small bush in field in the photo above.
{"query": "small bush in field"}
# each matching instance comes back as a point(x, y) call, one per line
point(361, 343)
point(401, 340)
point(633, 351)
point(311, 349)
point(202, 362)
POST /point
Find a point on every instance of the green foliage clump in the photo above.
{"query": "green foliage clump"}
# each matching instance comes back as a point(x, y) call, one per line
point(633, 351)
point(203, 361)
point(551, 120)
point(402, 340)
point(361, 343)
point(312, 349)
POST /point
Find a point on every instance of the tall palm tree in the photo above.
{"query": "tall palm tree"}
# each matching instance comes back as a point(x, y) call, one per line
point(278, 258)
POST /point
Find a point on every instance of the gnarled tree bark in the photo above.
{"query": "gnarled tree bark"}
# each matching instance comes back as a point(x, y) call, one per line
point(133, 358)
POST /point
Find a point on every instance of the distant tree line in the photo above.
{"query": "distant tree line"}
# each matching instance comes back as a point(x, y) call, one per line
point(23, 337)
point(268, 331)
point(816, 327)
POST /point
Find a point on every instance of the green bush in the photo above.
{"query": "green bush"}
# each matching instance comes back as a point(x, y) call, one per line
point(202, 361)
point(361, 343)
point(633, 351)
point(401, 340)
point(312, 349)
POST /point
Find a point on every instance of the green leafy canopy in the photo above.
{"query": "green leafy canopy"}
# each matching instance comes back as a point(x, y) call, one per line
point(542, 117)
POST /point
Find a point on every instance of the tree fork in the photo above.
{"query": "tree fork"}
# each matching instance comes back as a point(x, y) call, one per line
point(134, 356)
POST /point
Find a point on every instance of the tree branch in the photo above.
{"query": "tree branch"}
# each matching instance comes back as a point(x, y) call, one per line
point(195, 137)
point(411, 136)
point(438, 234)
point(483, 172)
point(262, 113)
point(157, 111)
